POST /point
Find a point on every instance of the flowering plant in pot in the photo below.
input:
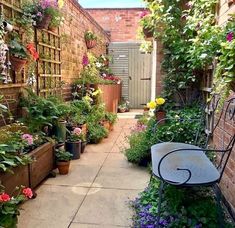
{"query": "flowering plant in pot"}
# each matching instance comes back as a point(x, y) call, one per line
point(43, 11)
point(91, 39)
point(63, 161)
point(145, 23)
point(73, 143)
point(158, 108)
point(9, 206)
point(111, 118)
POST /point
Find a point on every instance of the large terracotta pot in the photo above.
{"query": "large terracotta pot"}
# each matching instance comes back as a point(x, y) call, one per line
point(160, 115)
point(63, 167)
point(17, 64)
point(44, 23)
point(91, 43)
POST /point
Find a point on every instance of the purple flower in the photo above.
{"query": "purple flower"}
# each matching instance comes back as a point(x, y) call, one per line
point(85, 60)
point(39, 14)
point(230, 36)
point(48, 3)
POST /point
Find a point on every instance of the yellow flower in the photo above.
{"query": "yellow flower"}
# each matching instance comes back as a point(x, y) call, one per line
point(152, 105)
point(60, 3)
point(97, 92)
point(160, 101)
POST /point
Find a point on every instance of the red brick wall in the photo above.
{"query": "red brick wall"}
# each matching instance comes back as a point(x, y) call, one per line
point(228, 180)
point(122, 23)
point(77, 21)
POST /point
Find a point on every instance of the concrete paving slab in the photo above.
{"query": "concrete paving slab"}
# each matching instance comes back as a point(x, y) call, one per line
point(54, 204)
point(117, 160)
point(39, 223)
point(89, 158)
point(80, 176)
point(122, 178)
point(106, 207)
point(79, 225)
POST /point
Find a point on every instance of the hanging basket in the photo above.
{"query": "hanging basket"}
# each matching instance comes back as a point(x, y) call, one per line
point(91, 43)
point(17, 64)
point(147, 32)
point(44, 23)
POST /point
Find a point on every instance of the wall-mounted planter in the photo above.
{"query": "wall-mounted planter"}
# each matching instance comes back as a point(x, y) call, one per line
point(91, 43)
point(17, 64)
point(44, 23)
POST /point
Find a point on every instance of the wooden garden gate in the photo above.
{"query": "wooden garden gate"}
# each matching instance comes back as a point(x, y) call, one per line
point(134, 68)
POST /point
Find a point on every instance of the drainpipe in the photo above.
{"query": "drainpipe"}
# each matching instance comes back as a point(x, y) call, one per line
point(154, 71)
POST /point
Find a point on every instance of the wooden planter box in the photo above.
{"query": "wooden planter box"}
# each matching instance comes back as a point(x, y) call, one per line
point(44, 164)
point(11, 180)
point(33, 174)
point(111, 95)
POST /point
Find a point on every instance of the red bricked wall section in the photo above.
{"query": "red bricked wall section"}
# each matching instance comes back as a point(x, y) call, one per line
point(77, 21)
point(228, 181)
point(122, 23)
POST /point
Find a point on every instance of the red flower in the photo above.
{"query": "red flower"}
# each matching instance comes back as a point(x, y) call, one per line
point(4, 197)
point(32, 50)
point(28, 192)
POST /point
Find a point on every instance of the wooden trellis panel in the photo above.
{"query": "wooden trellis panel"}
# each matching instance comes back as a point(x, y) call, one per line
point(49, 64)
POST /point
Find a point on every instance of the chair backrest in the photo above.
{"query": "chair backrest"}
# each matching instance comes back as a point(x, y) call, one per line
point(223, 128)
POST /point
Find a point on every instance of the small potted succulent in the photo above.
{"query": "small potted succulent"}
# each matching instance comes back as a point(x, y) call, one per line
point(73, 143)
point(63, 161)
point(91, 39)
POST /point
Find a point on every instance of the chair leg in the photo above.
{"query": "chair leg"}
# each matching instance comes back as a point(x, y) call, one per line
point(160, 202)
point(219, 208)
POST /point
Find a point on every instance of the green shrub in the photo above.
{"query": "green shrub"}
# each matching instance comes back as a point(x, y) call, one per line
point(173, 130)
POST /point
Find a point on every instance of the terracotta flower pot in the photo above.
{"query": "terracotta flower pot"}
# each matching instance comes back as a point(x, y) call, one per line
point(147, 32)
point(111, 127)
point(63, 167)
point(91, 43)
point(230, 2)
point(121, 110)
point(160, 115)
point(17, 64)
point(44, 23)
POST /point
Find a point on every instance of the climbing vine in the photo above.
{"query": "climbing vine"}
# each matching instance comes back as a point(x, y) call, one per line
point(192, 42)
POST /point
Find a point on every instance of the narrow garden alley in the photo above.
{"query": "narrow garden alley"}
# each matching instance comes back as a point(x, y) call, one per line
point(97, 191)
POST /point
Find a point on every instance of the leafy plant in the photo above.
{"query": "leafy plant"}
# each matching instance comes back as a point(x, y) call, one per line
point(89, 35)
point(17, 49)
point(111, 117)
point(96, 132)
point(62, 155)
point(9, 206)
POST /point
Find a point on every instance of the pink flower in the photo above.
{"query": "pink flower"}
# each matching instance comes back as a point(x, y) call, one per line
point(39, 14)
point(28, 138)
point(4, 197)
point(28, 192)
point(77, 131)
point(230, 36)
point(85, 60)
point(144, 13)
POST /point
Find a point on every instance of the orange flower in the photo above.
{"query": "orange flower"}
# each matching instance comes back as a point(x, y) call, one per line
point(32, 50)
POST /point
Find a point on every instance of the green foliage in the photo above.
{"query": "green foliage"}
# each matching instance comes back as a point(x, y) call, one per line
point(89, 35)
point(111, 117)
point(62, 155)
point(96, 132)
point(17, 49)
point(182, 126)
point(195, 207)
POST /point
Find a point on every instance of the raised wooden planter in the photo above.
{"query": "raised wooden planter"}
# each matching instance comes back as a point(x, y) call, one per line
point(11, 180)
point(111, 95)
point(33, 174)
point(44, 164)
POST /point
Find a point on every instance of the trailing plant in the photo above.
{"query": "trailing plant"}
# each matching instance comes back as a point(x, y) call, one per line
point(89, 35)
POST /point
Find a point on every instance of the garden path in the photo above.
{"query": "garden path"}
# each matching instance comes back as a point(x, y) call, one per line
point(95, 193)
